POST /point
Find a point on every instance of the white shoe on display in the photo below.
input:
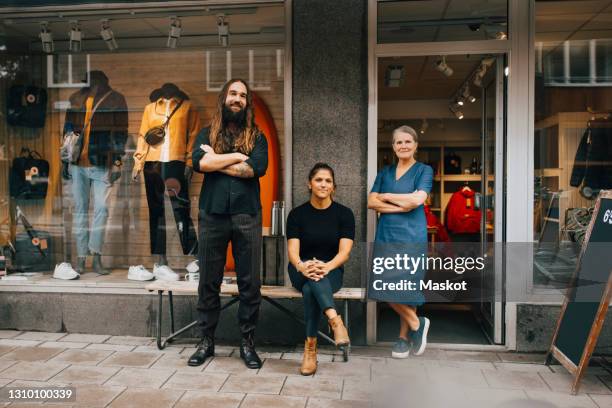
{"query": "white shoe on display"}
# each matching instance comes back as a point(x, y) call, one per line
point(193, 267)
point(163, 272)
point(139, 273)
point(65, 271)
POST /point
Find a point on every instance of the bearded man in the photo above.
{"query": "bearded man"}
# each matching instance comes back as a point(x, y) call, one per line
point(233, 154)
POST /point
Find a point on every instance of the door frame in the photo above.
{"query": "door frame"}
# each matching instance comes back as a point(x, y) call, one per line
point(519, 118)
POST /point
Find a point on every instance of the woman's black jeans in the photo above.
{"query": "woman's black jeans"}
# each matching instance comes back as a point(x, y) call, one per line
point(318, 296)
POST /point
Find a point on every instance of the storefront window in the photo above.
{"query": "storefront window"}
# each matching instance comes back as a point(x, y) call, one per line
point(442, 20)
point(573, 129)
point(60, 207)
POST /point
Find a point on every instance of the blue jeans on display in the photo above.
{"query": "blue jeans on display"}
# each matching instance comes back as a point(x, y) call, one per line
point(318, 296)
point(94, 179)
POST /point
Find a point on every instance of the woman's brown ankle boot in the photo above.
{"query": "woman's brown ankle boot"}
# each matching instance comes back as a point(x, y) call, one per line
point(341, 337)
point(309, 362)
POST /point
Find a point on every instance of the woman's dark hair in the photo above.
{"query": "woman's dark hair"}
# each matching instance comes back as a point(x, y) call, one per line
point(321, 166)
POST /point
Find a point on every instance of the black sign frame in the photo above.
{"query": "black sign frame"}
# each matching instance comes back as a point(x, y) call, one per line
point(579, 370)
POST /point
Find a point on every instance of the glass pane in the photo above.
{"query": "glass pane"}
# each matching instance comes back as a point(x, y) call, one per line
point(573, 131)
point(442, 20)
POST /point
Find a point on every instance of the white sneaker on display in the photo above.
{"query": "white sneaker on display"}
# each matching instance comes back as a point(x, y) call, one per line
point(193, 267)
point(65, 271)
point(139, 273)
point(163, 272)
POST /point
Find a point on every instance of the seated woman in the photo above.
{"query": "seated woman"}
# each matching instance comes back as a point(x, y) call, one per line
point(320, 236)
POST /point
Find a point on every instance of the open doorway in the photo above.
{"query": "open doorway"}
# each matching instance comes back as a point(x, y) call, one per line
point(456, 105)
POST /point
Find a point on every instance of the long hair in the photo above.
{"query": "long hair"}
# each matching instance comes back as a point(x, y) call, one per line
point(246, 140)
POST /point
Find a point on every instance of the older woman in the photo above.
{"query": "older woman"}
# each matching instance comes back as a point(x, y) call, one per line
point(320, 237)
point(398, 194)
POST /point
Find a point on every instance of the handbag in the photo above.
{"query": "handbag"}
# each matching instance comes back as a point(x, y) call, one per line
point(29, 177)
point(26, 106)
point(156, 134)
point(72, 142)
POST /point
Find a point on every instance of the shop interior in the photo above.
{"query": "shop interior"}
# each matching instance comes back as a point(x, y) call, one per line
point(451, 102)
point(47, 58)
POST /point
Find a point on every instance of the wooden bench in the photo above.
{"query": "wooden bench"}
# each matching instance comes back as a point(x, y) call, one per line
point(268, 293)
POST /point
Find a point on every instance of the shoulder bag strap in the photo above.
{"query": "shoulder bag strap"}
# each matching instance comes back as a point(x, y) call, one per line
point(173, 112)
point(93, 111)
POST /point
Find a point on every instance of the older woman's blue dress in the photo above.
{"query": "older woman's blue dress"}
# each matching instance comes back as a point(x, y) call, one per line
point(402, 233)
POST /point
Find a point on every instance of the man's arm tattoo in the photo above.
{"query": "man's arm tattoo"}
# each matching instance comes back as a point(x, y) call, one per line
point(242, 170)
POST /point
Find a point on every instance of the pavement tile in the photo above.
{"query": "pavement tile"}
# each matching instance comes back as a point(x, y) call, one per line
point(561, 399)
point(471, 365)
point(330, 388)
point(351, 369)
point(131, 359)
point(140, 377)
point(370, 351)
point(34, 371)
point(511, 357)
point(220, 351)
point(130, 340)
point(112, 347)
point(85, 338)
point(562, 382)
point(260, 384)
point(330, 403)
point(299, 356)
point(96, 396)
point(4, 364)
point(5, 349)
point(63, 344)
point(471, 356)
point(4, 381)
point(18, 343)
point(357, 390)
point(9, 334)
point(267, 355)
point(81, 357)
point(280, 367)
point(178, 362)
point(444, 376)
point(154, 349)
point(146, 397)
point(602, 401)
point(493, 397)
point(196, 381)
point(272, 401)
point(232, 365)
point(81, 374)
point(40, 336)
point(607, 379)
point(515, 379)
point(199, 399)
point(523, 367)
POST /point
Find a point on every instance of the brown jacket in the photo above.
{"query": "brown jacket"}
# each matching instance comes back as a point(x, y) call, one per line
point(184, 126)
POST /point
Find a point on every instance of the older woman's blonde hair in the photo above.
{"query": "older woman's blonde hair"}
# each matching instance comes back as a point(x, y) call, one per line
point(407, 130)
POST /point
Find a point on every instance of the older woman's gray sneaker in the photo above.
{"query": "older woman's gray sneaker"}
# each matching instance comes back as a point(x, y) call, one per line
point(401, 349)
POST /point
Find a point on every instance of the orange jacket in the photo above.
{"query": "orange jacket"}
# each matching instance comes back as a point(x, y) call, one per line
point(184, 127)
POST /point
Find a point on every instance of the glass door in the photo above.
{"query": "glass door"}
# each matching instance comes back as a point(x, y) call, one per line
point(492, 154)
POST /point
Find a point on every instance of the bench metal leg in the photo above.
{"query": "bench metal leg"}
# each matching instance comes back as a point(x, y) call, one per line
point(161, 344)
point(346, 349)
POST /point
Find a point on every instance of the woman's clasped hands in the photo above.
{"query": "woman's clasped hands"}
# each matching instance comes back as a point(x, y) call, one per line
point(314, 269)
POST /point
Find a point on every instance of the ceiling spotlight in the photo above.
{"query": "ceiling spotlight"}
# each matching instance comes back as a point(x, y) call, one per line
point(424, 127)
point(443, 67)
point(76, 36)
point(459, 114)
point(107, 35)
point(46, 37)
point(466, 96)
point(394, 76)
point(456, 111)
point(174, 33)
point(223, 30)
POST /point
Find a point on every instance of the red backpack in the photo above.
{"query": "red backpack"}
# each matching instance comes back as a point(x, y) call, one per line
point(461, 215)
point(433, 221)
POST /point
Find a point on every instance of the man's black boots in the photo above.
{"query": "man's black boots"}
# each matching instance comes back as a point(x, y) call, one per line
point(247, 351)
point(206, 348)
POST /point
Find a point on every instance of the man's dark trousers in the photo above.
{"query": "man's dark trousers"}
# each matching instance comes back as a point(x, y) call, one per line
point(216, 231)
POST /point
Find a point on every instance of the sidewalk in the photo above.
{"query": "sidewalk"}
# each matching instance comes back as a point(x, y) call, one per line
point(119, 371)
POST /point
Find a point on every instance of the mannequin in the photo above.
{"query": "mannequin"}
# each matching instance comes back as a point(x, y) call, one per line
point(167, 169)
point(104, 135)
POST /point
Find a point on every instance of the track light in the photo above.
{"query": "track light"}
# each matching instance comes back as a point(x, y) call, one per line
point(107, 35)
point(76, 36)
point(424, 127)
point(46, 37)
point(443, 67)
point(394, 76)
point(454, 108)
point(174, 33)
point(223, 30)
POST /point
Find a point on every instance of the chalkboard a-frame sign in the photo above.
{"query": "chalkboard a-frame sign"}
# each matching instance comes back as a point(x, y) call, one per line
point(588, 296)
